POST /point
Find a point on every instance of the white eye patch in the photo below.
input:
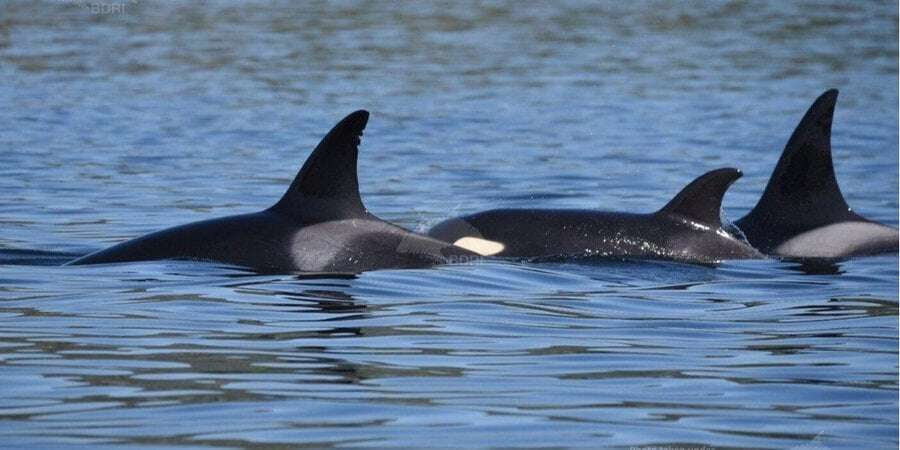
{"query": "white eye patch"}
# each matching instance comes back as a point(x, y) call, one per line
point(483, 247)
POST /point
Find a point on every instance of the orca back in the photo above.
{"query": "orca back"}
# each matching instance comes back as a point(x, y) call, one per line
point(802, 193)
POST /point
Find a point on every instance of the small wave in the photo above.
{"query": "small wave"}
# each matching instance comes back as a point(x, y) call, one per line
point(31, 257)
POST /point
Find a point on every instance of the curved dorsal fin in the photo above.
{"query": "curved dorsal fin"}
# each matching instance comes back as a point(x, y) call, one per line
point(803, 192)
point(327, 187)
point(701, 200)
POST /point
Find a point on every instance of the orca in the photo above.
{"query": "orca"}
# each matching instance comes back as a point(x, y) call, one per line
point(319, 225)
point(802, 213)
point(688, 229)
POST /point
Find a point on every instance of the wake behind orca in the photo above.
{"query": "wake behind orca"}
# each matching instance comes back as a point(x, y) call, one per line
point(802, 213)
point(319, 225)
point(687, 229)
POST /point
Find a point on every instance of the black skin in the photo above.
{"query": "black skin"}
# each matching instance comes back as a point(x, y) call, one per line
point(803, 193)
point(320, 225)
point(688, 229)
point(270, 242)
point(554, 233)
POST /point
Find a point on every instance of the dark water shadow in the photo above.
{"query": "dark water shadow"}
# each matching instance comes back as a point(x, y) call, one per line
point(32, 257)
point(816, 266)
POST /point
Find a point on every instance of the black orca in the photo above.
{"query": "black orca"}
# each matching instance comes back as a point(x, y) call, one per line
point(687, 229)
point(319, 225)
point(802, 213)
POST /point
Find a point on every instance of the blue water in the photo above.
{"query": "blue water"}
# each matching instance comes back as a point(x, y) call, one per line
point(120, 120)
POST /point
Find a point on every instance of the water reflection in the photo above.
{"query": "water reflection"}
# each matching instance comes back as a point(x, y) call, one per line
point(360, 352)
point(837, 307)
point(820, 266)
point(29, 257)
point(111, 118)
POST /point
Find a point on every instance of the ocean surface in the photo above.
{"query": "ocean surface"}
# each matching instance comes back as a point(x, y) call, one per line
point(121, 117)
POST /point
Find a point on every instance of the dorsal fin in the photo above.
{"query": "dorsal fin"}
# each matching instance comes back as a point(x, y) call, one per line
point(327, 187)
point(701, 200)
point(803, 192)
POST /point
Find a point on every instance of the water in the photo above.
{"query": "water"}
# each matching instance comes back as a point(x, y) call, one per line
point(119, 121)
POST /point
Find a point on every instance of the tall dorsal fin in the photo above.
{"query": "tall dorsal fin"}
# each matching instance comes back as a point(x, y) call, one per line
point(701, 200)
point(803, 192)
point(327, 186)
